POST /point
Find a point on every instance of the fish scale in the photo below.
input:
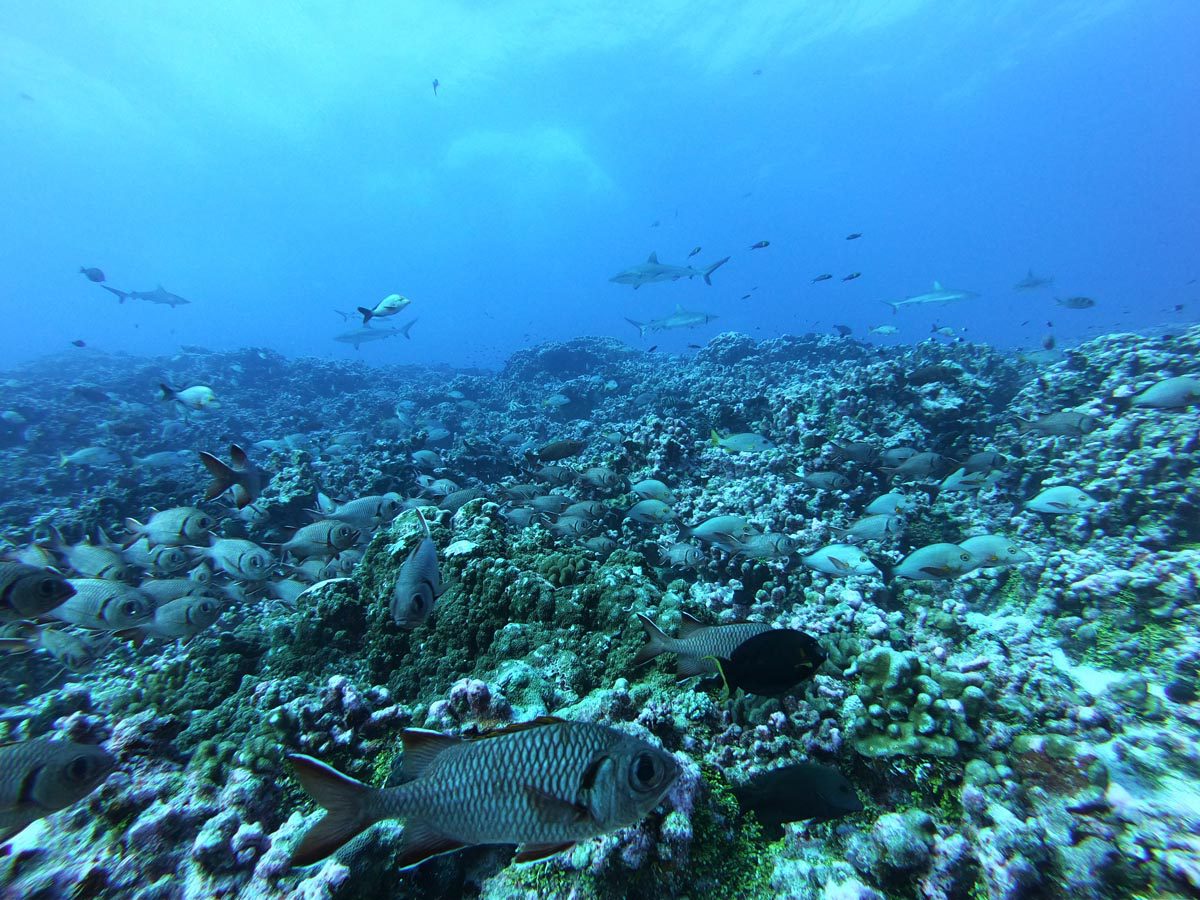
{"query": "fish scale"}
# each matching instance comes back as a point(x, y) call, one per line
point(484, 791)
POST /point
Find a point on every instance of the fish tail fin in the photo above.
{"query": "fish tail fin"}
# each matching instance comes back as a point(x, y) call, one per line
point(708, 272)
point(346, 803)
point(407, 328)
point(165, 392)
point(714, 437)
point(223, 477)
point(894, 305)
point(366, 314)
point(656, 641)
point(640, 326)
point(122, 296)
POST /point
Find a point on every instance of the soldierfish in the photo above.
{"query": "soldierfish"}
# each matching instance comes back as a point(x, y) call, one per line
point(419, 583)
point(42, 776)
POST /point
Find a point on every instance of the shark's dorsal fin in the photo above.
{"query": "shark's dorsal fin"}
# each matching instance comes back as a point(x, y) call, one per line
point(679, 310)
point(653, 257)
point(937, 285)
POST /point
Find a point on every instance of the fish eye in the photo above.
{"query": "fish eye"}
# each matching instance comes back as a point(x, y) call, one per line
point(205, 522)
point(964, 556)
point(646, 772)
point(418, 602)
point(130, 608)
point(1012, 550)
point(46, 587)
point(79, 768)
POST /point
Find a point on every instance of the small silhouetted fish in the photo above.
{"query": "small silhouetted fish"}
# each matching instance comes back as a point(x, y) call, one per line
point(745, 296)
point(1075, 302)
point(436, 84)
point(78, 343)
point(795, 793)
point(771, 663)
point(654, 224)
point(695, 250)
point(1048, 342)
point(843, 330)
point(755, 72)
point(695, 346)
point(652, 349)
point(854, 236)
point(821, 278)
point(852, 276)
point(760, 245)
point(91, 273)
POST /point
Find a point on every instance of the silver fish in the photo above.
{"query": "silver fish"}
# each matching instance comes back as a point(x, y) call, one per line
point(325, 539)
point(935, 561)
point(240, 559)
point(104, 605)
point(183, 618)
point(544, 785)
point(697, 645)
point(42, 776)
point(30, 591)
point(180, 525)
point(419, 583)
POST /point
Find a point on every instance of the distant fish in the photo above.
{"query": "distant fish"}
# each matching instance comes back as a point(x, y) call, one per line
point(1075, 302)
point(1061, 499)
point(241, 476)
point(159, 295)
point(1031, 282)
point(418, 584)
point(42, 776)
point(843, 330)
point(556, 450)
point(545, 785)
point(939, 296)
point(388, 306)
point(823, 277)
point(1072, 424)
point(78, 343)
point(652, 271)
point(745, 442)
point(436, 85)
point(760, 245)
point(680, 318)
point(196, 397)
point(695, 250)
point(92, 274)
point(746, 296)
point(854, 236)
point(852, 276)
point(367, 334)
point(884, 329)
point(796, 793)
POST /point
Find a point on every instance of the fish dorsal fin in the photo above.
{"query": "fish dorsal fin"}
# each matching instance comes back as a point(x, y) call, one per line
point(689, 624)
point(421, 747)
point(531, 853)
point(679, 310)
point(519, 726)
point(653, 257)
point(937, 285)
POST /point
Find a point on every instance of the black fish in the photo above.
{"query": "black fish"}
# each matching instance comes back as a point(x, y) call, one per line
point(652, 349)
point(435, 87)
point(795, 793)
point(695, 346)
point(843, 330)
point(771, 663)
point(760, 245)
point(820, 278)
point(89, 393)
point(695, 250)
point(852, 276)
point(745, 296)
point(557, 450)
point(91, 273)
point(854, 237)
point(78, 343)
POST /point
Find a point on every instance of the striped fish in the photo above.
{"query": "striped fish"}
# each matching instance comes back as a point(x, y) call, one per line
point(695, 644)
point(545, 785)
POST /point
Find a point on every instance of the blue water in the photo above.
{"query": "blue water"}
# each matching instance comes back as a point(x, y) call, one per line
point(274, 163)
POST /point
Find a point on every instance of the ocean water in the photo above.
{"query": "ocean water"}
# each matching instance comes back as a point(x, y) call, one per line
point(908, 254)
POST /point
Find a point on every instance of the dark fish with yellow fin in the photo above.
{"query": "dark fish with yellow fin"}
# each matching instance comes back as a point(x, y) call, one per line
point(771, 663)
point(42, 776)
point(241, 476)
point(697, 645)
point(545, 785)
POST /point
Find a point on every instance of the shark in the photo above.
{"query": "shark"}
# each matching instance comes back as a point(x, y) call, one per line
point(652, 270)
point(681, 318)
point(158, 295)
point(1031, 281)
point(366, 334)
point(939, 296)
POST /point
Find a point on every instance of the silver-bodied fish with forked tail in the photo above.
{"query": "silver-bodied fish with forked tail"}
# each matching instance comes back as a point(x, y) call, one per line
point(42, 776)
point(544, 785)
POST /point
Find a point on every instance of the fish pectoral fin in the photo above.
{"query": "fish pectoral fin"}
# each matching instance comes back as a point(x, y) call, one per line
point(936, 571)
point(839, 564)
point(531, 853)
point(553, 810)
point(419, 842)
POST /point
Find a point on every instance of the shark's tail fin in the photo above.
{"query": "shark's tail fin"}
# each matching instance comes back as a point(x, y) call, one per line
point(404, 331)
point(640, 326)
point(366, 314)
point(122, 296)
point(713, 268)
point(894, 305)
